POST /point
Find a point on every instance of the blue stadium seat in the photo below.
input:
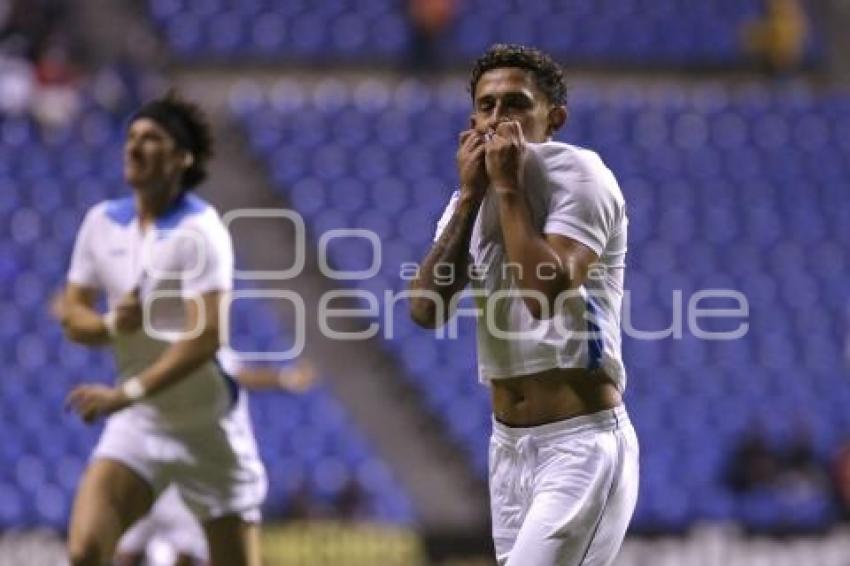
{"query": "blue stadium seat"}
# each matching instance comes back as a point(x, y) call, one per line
point(657, 34)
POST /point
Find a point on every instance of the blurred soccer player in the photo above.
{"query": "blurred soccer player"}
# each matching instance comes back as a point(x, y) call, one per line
point(539, 228)
point(175, 416)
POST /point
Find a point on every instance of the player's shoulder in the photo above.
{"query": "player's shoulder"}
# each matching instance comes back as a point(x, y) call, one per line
point(192, 214)
point(111, 211)
point(568, 157)
point(579, 168)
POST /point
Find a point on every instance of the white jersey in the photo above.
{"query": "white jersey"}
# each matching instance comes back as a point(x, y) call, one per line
point(572, 193)
point(186, 253)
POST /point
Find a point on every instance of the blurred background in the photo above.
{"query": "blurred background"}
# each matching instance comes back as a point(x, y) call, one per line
point(727, 123)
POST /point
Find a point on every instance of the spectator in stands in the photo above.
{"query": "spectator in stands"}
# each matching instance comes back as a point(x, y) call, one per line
point(753, 464)
point(38, 30)
point(800, 459)
point(778, 39)
point(352, 502)
point(791, 474)
point(28, 24)
point(429, 20)
point(803, 478)
point(37, 51)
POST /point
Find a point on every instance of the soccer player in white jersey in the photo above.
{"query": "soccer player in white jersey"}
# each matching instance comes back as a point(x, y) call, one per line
point(175, 417)
point(539, 229)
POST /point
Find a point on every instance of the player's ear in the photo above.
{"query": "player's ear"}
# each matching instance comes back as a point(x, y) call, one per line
point(188, 160)
point(556, 119)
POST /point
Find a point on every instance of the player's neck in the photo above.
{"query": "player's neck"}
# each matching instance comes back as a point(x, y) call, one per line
point(151, 204)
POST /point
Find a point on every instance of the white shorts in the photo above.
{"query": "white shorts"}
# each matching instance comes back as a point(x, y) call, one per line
point(216, 467)
point(171, 522)
point(563, 493)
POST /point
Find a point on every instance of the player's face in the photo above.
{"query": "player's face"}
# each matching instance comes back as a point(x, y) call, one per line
point(151, 157)
point(510, 94)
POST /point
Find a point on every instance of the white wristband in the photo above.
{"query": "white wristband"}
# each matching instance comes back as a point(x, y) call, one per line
point(133, 389)
point(110, 323)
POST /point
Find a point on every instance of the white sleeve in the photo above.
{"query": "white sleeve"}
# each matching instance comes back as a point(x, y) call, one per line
point(584, 205)
point(83, 270)
point(447, 215)
point(209, 265)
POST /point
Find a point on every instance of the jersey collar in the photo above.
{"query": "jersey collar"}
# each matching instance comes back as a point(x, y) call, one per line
point(122, 211)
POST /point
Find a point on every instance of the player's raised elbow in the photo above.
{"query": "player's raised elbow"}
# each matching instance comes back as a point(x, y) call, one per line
point(543, 298)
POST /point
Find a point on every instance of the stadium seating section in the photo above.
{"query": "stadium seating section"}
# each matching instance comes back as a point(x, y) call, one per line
point(588, 32)
point(313, 452)
point(727, 189)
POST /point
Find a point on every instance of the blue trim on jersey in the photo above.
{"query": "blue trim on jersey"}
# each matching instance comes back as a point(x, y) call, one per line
point(123, 210)
point(186, 205)
point(233, 387)
point(594, 343)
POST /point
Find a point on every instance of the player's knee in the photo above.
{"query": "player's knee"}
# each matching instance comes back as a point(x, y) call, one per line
point(86, 551)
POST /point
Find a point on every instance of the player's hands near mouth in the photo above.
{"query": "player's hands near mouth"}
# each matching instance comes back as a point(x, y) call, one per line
point(503, 157)
point(94, 401)
point(470, 166)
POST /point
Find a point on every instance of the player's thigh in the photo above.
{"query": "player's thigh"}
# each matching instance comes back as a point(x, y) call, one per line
point(232, 541)
point(573, 490)
point(553, 534)
point(620, 505)
point(110, 498)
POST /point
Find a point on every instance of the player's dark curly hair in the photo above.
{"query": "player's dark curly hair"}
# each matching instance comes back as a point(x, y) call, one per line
point(186, 122)
point(547, 73)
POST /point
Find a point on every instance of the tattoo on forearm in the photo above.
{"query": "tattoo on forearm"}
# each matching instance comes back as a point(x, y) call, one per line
point(444, 269)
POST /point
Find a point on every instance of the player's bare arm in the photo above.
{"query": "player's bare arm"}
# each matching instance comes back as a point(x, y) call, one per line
point(451, 250)
point(82, 323)
point(296, 379)
point(184, 356)
point(549, 264)
point(176, 363)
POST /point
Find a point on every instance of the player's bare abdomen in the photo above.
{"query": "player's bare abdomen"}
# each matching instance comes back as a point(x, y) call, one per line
point(552, 395)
